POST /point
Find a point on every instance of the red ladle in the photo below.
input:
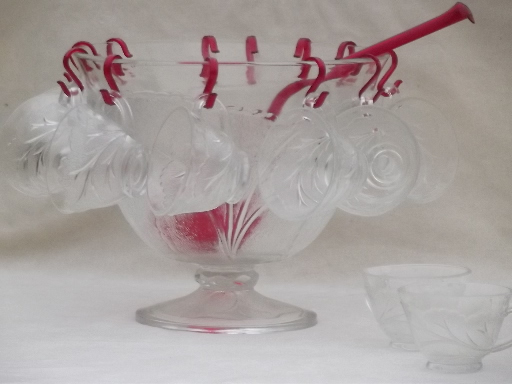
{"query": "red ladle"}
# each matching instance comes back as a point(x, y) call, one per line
point(455, 14)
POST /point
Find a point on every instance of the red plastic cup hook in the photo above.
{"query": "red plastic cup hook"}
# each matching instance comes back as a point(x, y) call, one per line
point(117, 68)
point(86, 44)
point(390, 71)
point(208, 46)
point(277, 104)
point(303, 50)
point(122, 45)
point(70, 74)
point(320, 78)
point(389, 91)
point(380, 87)
point(345, 46)
point(375, 76)
point(108, 69)
point(251, 47)
point(213, 71)
point(64, 88)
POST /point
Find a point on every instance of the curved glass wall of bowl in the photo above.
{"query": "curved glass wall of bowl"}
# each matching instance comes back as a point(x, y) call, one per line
point(382, 284)
point(227, 240)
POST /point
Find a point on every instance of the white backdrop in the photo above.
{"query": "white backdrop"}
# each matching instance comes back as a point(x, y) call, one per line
point(61, 273)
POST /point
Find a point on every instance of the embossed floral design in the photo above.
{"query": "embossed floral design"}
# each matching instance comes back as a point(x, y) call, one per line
point(94, 162)
point(455, 331)
point(34, 149)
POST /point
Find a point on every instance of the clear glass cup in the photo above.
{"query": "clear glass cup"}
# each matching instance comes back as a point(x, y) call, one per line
point(305, 167)
point(92, 162)
point(382, 284)
point(26, 136)
point(456, 324)
point(75, 149)
point(194, 164)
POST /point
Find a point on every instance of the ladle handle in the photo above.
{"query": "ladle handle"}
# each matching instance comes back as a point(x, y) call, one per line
point(455, 14)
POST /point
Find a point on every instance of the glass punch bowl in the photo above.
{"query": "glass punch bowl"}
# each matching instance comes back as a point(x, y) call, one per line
point(225, 188)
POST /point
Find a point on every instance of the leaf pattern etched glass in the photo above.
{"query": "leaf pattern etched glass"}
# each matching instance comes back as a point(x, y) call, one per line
point(456, 324)
point(382, 284)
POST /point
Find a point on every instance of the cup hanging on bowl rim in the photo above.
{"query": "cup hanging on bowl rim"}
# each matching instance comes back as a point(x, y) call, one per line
point(344, 91)
point(304, 167)
point(92, 161)
point(194, 164)
point(434, 134)
point(29, 130)
point(390, 150)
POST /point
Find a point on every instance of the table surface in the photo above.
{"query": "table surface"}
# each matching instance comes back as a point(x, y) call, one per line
point(78, 328)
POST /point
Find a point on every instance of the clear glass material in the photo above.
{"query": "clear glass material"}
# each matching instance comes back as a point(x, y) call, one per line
point(226, 303)
point(437, 147)
point(456, 324)
point(74, 150)
point(26, 137)
point(382, 284)
point(252, 180)
point(92, 162)
point(305, 167)
point(391, 153)
point(221, 210)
